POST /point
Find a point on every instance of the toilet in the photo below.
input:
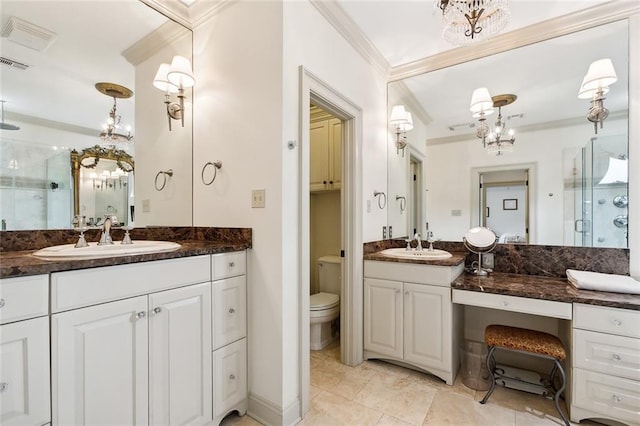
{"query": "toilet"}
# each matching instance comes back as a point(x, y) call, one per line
point(325, 305)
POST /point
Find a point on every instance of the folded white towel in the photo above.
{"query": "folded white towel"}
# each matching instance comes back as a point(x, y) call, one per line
point(585, 280)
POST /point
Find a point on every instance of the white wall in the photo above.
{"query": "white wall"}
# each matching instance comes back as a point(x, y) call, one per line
point(324, 229)
point(449, 178)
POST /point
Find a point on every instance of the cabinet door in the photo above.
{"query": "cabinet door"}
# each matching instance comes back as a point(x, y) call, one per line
point(335, 153)
point(319, 156)
point(24, 372)
point(180, 356)
point(99, 363)
point(230, 372)
point(229, 311)
point(427, 325)
point(383, 317)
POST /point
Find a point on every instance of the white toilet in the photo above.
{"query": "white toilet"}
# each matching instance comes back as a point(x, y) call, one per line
point(325, 305)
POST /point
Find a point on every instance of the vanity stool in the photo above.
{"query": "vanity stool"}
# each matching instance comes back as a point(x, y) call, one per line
point(530, 342)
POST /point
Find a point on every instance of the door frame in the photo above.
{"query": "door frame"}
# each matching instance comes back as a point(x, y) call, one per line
point(313, 89)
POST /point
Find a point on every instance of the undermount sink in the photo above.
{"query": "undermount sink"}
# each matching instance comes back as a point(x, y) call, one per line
point(70, 252)
point(403, 253)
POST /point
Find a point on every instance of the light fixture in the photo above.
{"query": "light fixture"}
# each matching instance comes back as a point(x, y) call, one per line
point(595, 85)
point(497, 140)
point(110, 130)
point(402, 121)
point(174, 78)
point(465, 21)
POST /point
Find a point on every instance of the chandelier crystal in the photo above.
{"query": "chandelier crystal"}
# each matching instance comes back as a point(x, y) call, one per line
point(111, 129)
point(466, 21)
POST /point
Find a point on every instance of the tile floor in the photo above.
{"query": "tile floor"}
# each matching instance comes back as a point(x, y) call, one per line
point(378, 393)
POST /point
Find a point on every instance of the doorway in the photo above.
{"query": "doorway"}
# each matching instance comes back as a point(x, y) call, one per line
point(504, 204)
point(416, 199)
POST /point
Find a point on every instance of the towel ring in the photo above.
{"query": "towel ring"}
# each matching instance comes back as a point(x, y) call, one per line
point(217, 165)
point(403, 202)
point(382, 199)
point(164, 181)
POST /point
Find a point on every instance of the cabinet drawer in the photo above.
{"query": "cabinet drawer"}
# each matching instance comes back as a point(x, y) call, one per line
point(614, 355)
point(229, 311)
point(548, 308)
point(230, 377)
point(23, 297)
point(624, 322)
point(614, 397)
point(226, 265)
point(74, 289)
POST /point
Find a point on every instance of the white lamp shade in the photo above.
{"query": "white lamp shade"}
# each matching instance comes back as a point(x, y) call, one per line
point(617, 172)
point(180, 74)
point(589, 93)
point(481, 101)
point(408, 125)
point(161, 82)
point(399, 115)
point(600, 74)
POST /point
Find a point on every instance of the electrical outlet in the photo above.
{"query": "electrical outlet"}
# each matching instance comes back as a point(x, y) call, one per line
point(146, 206)
point(257, 198)
point(390, 231)
point(384, 232)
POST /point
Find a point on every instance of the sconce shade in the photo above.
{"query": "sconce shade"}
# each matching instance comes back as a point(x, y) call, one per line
point(481, 102)
point(408, 125)
point(601, 74)
point(589, 93)
point(161, 82)
point(398, 115)
point(180, 74)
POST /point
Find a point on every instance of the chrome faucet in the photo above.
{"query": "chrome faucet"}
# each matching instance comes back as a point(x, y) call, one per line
point(105, 238)
point(430, 240)
point(417, 238)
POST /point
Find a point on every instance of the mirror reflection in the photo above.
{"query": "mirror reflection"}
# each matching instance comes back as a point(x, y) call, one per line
point(557, 182)
point(54, 113)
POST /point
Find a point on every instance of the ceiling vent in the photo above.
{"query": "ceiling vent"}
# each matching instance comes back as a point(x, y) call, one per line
point(27, 34)
point(13, 64)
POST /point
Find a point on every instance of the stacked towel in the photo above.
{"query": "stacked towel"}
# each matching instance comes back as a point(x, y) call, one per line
point(585, 280)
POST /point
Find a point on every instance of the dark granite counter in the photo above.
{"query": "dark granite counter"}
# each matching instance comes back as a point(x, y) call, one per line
point(545, 288)
point(455, 259)
point(17, 260)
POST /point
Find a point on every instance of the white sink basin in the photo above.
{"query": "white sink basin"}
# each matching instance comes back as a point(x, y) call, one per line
point(413, 254)
point(69, 252)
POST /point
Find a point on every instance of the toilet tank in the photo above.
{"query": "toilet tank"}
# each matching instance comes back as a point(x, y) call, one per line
point(329, 280)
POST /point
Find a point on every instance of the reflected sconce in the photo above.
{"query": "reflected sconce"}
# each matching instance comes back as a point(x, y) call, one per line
point(402, 121)
point(174, 78)
point(595, 85)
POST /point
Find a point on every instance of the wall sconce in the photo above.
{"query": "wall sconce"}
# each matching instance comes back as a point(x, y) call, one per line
point(402, 120)
point(594, 86)
point(174, 78)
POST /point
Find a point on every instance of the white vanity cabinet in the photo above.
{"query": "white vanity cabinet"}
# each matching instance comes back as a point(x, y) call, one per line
point(606, 364)
point(409, 317)
point(229, 334)
point(326, 154)
point(131, 344)
point(24, 351)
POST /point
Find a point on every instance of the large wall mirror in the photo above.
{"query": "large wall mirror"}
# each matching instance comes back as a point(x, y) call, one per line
point(54, 53)
point(555, 187)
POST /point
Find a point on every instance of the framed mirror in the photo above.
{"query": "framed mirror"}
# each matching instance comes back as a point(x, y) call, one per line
point(557, 155)
point(49, 88)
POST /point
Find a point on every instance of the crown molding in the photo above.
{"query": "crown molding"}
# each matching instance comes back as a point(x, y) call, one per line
point(575, 121)
point(338, 18)
point(152, 43)
point(188, 16)
point(411, 102)
point(23, 118)
point(563, 25)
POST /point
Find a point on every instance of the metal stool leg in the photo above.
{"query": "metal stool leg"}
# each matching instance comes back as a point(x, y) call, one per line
point(556, 398)
point(491, 366)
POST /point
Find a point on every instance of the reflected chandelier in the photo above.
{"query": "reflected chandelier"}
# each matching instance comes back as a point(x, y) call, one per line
point(497, 140)
point(465, 21)
point(110, 130)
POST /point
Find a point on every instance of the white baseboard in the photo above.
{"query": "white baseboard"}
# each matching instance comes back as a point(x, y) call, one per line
point(268, 413)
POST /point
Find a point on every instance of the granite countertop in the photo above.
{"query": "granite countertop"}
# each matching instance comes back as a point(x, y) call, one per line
point(545, 288)
point(455, 259)
point(21, 263)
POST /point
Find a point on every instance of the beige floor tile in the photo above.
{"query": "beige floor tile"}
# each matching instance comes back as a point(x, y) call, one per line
point(313, 392)
point(397, 396)
point(449, 408)
point(535, 406)
point(387, 420)
point(332, 410)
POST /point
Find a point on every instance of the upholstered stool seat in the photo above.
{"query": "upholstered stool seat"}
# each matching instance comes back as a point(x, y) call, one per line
point(530, 342)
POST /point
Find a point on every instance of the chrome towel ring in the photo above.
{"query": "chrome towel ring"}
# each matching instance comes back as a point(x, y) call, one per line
point(403, 202)
point(164, 181)
point(382, 199)
point(217, 165)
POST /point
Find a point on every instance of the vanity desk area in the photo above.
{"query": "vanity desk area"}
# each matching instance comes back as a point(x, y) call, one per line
point(155, 338)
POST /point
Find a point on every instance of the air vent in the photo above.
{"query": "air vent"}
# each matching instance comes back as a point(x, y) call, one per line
point(454, 127)
point(27, 34)
point(13, 64)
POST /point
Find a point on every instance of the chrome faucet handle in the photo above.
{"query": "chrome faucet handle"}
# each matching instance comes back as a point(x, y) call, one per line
point(408, 241)
point(417, 237)
point(127, 238)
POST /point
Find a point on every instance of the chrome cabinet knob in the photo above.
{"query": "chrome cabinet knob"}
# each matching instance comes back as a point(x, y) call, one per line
point(505, 303)
point(232, 311)
point(616, 357)
point(3, 386)
point(141, 314)
point(617, 322)
point(232, 264)
point(232, 377)
point(406, 292)
point(616, 398)
point(157, 310)
point(1, 303)
point(397, 291)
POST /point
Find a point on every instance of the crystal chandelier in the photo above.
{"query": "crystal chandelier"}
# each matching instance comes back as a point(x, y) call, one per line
point(110, 130)
point(498, 140)
point(465, 21)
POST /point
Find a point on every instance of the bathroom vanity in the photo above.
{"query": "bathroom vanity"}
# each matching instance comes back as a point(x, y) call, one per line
point(144, 341)
point(408, 314)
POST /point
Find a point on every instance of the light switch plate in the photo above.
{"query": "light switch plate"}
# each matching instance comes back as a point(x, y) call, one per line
point(146, 206)
point(257, 198)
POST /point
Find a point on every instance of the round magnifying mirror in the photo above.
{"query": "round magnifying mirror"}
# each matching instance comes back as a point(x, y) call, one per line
point(480, 238)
